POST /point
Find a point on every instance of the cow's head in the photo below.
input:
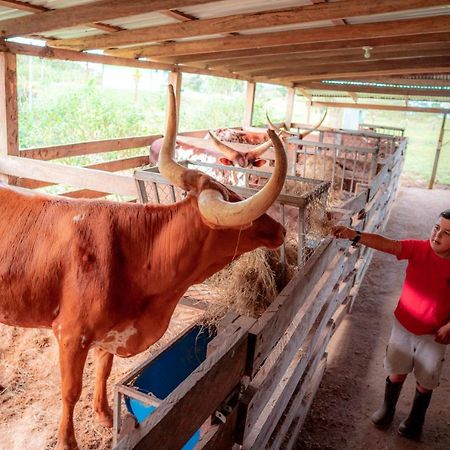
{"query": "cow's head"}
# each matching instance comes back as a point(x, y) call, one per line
point(232, 157)
point(241, 225)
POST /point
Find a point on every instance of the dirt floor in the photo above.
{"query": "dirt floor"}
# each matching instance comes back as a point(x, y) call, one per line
point(353, 386)
point(30, 401)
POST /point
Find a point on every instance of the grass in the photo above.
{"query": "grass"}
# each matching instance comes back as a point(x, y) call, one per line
point(69, 102)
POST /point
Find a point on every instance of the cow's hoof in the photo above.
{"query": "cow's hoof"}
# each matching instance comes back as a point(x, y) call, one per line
point(105, 419)
point(72, 445)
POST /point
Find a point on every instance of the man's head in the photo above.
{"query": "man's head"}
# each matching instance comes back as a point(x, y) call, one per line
point(440, 235)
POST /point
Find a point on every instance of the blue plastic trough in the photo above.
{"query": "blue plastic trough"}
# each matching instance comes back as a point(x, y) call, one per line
point(164, 373)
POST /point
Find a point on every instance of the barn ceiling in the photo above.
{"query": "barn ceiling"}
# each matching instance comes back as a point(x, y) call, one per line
point(310, 44)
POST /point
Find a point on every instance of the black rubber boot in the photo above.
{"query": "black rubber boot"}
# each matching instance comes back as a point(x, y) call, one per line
point(384, 416)
point(411, 427)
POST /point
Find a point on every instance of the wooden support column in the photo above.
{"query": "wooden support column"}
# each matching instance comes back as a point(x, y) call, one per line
point(249, 104)
point(289, 107)
point(175, 79)
point(438, 153)
point(9, 136)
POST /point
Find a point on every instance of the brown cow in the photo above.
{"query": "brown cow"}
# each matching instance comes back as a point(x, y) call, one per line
point(108, 275)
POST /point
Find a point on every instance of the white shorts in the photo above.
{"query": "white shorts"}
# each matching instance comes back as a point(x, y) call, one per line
point(407, 352)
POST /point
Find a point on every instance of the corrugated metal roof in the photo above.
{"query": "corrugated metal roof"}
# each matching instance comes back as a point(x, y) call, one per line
point(296, 26)
point(228, 7)
point(410, 14)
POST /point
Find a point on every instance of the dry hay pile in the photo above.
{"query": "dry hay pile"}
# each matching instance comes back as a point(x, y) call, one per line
point(245, 286)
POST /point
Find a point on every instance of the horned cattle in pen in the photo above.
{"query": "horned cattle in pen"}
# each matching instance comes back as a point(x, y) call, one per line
point(107, 276)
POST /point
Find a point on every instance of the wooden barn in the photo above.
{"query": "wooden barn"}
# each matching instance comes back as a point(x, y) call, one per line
point(254, 384)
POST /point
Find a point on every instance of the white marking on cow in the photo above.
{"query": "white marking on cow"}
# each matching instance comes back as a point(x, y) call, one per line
point(83, 341)
point(78, 218)
point(116, 339)
point(59, 332)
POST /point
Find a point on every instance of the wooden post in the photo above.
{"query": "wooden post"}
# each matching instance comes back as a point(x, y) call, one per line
point(249, 104)
point(289, 107)
point(438, 153)
point(9, 136)
point(175, 79)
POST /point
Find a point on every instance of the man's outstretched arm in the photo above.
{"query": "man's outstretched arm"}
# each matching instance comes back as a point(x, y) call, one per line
point(374, 241)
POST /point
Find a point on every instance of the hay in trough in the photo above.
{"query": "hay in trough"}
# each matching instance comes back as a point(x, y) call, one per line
point(249, 284)
point(246, 286)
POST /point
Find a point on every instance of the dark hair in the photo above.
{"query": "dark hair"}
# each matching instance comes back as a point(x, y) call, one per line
point(445, 214)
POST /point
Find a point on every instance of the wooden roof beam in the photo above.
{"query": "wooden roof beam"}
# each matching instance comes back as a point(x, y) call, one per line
point(70, 55)
point(178, 15)
point(418, 48)
point(85, 14)
point(308, 36)
point(381, 68)
point(305, 93)
point(23, 6)
point(219, 56)
point(323, 58)
point(241, 22)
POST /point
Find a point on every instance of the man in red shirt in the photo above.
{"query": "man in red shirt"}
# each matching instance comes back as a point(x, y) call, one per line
point(421, 330)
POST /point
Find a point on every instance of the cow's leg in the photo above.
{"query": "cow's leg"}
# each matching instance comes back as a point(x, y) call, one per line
point(102, 410)
point(72, 357)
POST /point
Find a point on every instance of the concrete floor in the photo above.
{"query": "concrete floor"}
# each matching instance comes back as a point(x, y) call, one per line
point(353, 385)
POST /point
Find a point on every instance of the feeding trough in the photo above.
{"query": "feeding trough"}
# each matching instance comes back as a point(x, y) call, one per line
point(150, 383)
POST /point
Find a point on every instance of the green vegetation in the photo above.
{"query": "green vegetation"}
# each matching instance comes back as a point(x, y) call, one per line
point(64, 102)
point(422, 130)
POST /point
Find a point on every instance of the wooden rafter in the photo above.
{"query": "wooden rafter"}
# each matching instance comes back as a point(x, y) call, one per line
point(86, 14)
point(178, 15)
point(378, 68)
point(327, 58)
point(244, 22)
point(70, 55)
point(23, 6)
point(309, 36)
point(217, 57)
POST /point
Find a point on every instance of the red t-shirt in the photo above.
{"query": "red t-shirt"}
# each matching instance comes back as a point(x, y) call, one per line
point(424, 304)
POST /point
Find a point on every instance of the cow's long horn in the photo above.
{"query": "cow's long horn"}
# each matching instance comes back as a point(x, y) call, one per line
point(272, 126)
point(279, 131)
point(168, 168)
point(317, 126)
point(228, 214)
point(227, 151)
point(258, 150)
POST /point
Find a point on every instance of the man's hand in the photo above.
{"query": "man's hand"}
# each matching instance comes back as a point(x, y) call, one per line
point(443, 335)
point(341, 232)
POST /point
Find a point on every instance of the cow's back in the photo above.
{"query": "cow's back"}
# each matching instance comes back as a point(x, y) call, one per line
point(33, 251)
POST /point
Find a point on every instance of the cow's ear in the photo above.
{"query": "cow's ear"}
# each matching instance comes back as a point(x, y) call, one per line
point(259, 162)
point(226, 161)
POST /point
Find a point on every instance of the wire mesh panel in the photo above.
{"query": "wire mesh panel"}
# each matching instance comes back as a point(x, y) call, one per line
point(385, 143)
point(382, 129)
point(344, 167)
